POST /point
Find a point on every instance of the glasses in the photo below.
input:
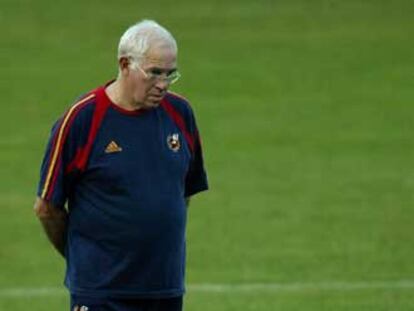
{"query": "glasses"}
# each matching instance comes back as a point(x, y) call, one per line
point(156, 74)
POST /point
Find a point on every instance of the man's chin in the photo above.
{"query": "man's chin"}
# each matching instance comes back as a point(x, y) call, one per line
point(156, 101)
point(153, 102)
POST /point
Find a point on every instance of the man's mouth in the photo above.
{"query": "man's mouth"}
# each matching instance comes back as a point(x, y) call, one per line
point(156, 97)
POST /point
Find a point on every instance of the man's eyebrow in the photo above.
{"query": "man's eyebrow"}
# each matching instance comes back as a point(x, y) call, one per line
point(155, 68)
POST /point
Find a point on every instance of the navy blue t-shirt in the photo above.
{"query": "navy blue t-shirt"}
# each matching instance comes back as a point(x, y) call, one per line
point(125, 176)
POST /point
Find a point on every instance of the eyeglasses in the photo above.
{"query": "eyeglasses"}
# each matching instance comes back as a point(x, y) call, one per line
point(156, 74)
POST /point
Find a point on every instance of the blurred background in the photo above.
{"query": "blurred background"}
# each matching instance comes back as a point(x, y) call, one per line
point(306, 113)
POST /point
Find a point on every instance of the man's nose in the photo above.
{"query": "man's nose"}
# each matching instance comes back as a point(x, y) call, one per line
point(162, 84)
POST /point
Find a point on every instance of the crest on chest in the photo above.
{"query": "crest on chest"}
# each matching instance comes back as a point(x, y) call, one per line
point(173, 142)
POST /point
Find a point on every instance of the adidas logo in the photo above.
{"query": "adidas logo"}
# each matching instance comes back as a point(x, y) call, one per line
point(112, 147)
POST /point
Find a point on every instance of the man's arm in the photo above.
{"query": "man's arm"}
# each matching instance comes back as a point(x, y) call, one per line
point(54, 222)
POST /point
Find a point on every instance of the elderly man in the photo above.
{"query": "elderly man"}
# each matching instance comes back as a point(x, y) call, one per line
point(125, 158)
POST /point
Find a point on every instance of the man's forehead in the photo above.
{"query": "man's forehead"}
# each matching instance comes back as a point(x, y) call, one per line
point(160, 62)
point(164, 56)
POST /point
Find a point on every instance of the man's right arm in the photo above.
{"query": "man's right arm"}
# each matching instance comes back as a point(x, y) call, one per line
point(54, 222)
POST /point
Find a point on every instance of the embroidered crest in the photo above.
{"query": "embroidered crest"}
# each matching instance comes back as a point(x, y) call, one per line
point(173, 142)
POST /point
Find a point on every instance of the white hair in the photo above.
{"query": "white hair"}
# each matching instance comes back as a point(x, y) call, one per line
point(139, 38)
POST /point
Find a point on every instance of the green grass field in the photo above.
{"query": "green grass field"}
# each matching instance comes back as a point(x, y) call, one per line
point(307, 117)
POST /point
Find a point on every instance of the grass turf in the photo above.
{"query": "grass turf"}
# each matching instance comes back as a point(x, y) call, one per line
point(306, 114)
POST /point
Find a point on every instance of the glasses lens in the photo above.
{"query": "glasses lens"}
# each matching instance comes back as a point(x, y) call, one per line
point(172, 78)
point(157, 75)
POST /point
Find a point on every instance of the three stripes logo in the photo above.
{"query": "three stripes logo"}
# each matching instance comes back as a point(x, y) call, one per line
point(113, 147)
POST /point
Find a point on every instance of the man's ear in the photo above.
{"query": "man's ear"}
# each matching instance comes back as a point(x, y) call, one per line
point(123, 63)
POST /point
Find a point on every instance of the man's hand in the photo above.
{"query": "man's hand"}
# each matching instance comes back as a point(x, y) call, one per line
point(54, 222)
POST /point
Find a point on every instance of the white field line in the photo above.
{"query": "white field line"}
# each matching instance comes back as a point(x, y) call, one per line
point(300, 287)
point(20, 292)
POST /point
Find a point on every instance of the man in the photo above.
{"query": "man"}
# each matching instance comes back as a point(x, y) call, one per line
point(125, 157)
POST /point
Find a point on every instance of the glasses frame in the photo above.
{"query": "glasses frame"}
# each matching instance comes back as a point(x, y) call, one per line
point(170, 79)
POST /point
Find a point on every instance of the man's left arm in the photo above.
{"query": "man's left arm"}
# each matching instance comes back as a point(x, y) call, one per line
point(196, 179)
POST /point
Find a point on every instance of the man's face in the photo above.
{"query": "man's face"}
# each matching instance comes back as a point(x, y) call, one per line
point(148, 83)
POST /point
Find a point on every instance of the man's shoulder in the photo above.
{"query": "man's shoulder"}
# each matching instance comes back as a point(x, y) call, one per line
point(88, 99)
point(179, 104)
point(177, 100)
point(84, 105)
point(80, 112)
point(84, 101)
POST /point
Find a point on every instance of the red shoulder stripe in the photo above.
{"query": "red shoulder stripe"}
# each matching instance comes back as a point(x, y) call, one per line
point(82, 155)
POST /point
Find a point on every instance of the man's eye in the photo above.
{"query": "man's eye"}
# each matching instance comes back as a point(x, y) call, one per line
point(156, 72)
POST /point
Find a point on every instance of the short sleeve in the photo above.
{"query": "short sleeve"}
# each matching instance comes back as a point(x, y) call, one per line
point(58, 172)
point(196, 179)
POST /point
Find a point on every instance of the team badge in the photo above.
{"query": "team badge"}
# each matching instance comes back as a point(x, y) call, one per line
point(173, 142)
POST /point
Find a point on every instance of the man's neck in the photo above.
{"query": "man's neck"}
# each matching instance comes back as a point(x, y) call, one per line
point(117, 93)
